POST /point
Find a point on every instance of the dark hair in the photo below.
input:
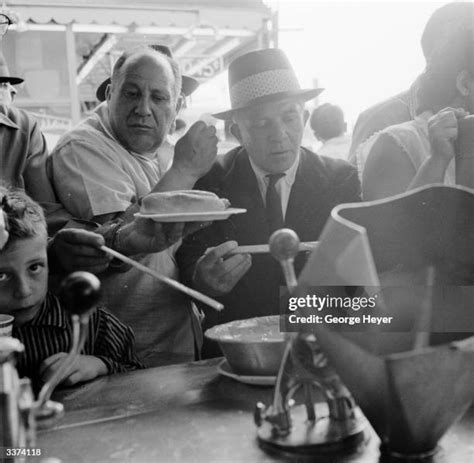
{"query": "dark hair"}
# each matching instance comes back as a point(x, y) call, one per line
point(454, 53)
point(327, 121)
point(449, 16)
point(24, 218)
point(153, 50)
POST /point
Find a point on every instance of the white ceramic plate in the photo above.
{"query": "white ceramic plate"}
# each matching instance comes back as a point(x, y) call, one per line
point(225, 370)
point(193, 216)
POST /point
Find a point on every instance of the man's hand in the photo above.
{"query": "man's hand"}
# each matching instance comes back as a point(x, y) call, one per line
point(217, 272)
point(196, 151)
point(84, 368)
point(74, 249)
point(145, 236)
point(443, 131)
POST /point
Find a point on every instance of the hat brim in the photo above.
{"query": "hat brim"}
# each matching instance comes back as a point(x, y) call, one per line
point(188, 86)
point(301, 95)
point(100, 92)
point(12, 80)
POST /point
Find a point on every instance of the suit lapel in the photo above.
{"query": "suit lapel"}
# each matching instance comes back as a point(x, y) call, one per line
point(242, 190)
point(305, 202)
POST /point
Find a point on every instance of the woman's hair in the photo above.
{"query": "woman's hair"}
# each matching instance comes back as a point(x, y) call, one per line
point(454, 53)
point(453, 14)
point(24, 218)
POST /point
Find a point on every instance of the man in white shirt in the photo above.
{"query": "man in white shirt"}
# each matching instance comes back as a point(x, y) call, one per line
point(103, 167)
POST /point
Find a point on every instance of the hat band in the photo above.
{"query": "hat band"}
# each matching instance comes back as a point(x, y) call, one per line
point(262, 84)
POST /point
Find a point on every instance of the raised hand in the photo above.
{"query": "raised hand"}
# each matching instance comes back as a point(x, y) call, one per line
point(196, 151)
point(443, 131)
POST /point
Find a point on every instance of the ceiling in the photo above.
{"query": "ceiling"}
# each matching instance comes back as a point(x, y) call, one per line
point(204, 35)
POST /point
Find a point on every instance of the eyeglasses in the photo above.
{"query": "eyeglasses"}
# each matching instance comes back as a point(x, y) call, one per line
point(4, 24)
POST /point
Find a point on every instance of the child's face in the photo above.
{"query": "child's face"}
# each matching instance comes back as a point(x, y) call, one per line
point(23, 278)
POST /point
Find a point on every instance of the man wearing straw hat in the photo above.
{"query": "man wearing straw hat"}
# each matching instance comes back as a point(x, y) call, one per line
point(280, 183)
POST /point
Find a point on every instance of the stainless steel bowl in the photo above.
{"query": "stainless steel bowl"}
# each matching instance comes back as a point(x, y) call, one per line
point(252, 347)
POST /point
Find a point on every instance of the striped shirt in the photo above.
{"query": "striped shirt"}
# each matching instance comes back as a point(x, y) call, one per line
point(50, 332)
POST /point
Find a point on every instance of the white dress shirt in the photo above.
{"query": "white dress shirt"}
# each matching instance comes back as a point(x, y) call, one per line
point(283, 185)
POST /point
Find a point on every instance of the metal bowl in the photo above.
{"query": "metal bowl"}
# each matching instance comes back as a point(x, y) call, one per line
point(252, 347)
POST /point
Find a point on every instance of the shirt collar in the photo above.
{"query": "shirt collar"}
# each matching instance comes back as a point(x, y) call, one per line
point(289, 177)
point(5, 120)
point(50, 314)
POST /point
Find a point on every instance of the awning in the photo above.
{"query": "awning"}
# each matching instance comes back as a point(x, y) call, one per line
point(204, 35)
point(219, 14)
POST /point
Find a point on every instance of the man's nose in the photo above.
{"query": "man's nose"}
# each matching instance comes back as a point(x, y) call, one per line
point(277, 130)
point(22, 288)
point(143, 107)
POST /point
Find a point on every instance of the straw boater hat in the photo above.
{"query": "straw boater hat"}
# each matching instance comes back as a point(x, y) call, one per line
point(262, 76)
point(188, 84)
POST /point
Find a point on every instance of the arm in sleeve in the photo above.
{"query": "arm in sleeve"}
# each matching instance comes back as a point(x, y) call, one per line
point(90, 182)
point(37, 183)
point(388, 170)
point(114, 343)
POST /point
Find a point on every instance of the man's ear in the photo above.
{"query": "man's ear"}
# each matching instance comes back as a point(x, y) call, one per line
point(235, 131)
point(305, 116)
point(108, 90)
point(464, 83)
point(179, 104)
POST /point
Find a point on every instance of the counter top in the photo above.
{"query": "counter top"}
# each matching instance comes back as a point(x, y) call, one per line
point(182, 413)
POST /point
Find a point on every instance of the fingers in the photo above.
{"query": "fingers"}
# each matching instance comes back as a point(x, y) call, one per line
point(212, 254)
point(76, 249)
point(196, 128)
point(47, 363)
point(72, 378)
point(444, 124)
point(80, 237)
point(200, 128)
point(195, 153)
point(50, 365)
point(456, 112)
point(235, 267)
point(217, 271)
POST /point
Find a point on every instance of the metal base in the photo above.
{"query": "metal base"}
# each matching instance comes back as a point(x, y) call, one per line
point(306, 439)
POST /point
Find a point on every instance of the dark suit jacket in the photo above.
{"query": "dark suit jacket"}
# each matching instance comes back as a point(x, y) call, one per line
point(320, 184)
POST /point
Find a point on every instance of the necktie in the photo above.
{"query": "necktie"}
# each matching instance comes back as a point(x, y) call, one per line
point(273, 204)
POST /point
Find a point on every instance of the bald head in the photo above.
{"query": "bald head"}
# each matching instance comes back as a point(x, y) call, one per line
point(133, 58)
point(143, 99)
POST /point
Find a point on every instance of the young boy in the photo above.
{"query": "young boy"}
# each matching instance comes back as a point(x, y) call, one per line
point(41, 324)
